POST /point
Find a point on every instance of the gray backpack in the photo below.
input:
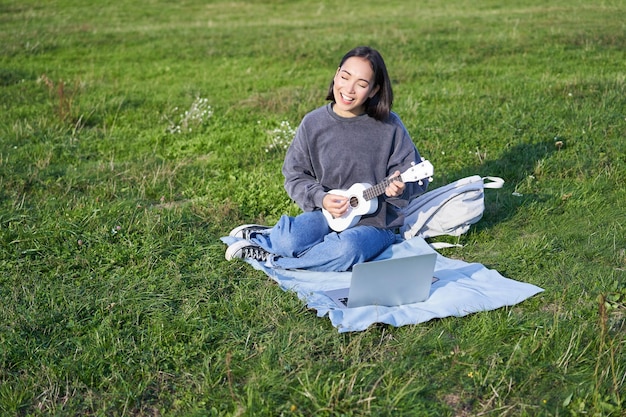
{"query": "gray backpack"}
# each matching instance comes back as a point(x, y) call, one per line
point(448, 210)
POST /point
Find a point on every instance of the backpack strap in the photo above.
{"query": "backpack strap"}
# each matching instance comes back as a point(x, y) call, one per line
point(441, 245)
point(496, 182)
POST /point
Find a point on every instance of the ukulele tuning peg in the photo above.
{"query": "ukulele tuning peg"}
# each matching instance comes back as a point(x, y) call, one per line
point(420, 182)
point(430, 179)
point(423, 159)
point(413, 163)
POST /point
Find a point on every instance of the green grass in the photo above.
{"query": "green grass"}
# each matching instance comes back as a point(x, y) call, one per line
point(115, 298)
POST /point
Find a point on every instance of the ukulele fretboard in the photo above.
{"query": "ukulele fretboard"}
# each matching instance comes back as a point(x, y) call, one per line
point(378, 189)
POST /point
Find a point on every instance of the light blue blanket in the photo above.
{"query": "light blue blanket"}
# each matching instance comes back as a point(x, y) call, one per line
point(463, 288)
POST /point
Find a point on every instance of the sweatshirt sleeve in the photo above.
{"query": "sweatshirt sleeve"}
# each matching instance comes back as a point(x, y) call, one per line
point(300, 179)
point(405, 152)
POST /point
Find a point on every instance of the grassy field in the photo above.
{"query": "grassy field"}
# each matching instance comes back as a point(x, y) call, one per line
point(134, 135)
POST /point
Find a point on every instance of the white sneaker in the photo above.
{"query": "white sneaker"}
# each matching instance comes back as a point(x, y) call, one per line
point(247, 231)
point(244, 249)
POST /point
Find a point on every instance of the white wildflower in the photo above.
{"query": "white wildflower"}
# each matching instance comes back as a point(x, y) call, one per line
point(198, 113)
point(281, 137)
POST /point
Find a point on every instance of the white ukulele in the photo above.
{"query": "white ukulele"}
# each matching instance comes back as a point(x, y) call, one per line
point(363, 196)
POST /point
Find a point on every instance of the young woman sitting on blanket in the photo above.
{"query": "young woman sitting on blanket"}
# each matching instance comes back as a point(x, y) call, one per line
point(355, 138)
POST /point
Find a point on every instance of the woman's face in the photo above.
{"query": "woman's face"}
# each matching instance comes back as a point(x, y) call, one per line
point(353, 85)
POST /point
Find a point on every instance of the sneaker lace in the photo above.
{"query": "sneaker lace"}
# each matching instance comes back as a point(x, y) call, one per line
point(252, 231)
point(256, 252)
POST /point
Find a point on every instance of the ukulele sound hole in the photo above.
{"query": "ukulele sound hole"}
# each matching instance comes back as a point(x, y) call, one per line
point(354, 202)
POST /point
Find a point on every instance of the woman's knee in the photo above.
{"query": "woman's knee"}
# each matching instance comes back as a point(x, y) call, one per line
point(292, 236)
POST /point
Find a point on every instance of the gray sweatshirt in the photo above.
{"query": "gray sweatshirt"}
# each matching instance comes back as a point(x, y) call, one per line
point(332, 152)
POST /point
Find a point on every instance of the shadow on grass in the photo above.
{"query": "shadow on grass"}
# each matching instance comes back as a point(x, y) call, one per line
point(515, 166)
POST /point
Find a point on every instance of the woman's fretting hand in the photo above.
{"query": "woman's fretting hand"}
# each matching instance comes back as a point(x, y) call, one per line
point(396, 188)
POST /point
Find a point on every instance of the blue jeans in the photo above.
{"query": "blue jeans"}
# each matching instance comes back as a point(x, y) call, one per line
point(306, 242)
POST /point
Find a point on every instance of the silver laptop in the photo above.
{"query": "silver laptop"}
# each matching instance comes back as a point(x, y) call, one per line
point(389, 282)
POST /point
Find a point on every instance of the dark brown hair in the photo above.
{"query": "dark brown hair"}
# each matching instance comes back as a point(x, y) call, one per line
point(380, 105)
